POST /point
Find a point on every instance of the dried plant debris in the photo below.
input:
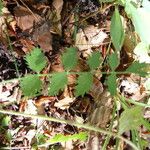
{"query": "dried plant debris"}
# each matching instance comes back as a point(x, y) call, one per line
point(85, 61)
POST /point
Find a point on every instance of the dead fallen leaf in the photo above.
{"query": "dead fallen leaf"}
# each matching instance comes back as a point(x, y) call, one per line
point(90, 37)
point(43, 99)
point(64, 103)
point(58, 5)
point(25, 19)
point(43, 37)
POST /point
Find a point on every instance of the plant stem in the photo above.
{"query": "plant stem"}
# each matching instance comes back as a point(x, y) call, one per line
point(132, 101)
point(85, 126)
point(11, 49)
point(110, 128)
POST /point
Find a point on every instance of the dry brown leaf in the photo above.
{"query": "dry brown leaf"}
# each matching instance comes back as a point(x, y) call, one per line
point(58, 5)
point(28, 45)
point(64, 103)
point(44, 99)
point(43, 37)
point(25, 19)
point(90, 37)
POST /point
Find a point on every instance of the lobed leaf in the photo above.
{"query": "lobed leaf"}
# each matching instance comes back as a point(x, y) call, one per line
point(36, 60)
point(94, 60)
point(138, 68)
point(58, 82)
point(31, 85)
point(84, 83)
point(117, 30)
point(130, 119)
point(69, 58)
point(113, 61)
point(112, 84)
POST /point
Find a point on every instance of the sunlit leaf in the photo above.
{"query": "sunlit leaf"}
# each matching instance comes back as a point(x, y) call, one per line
point(36, 60)
point(64, 138)
point(69, 58)
point(112, 84)
point(94, 60)
point(1, 7)
point(113, 61)
point(31, 85)
point(116, 30)
point(84, 83)
point(141, 50)
point(58, 81)
point(138, 68)
point(130, 119)
point(140, 18)
point(6, 121)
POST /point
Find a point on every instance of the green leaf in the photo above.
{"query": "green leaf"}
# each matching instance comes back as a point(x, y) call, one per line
point(105, 1)
point(6, 121)
point(84, 83)
point(31, 85)
point(64, 138)
point(58, 82)
point(112, 84)
point(113, 61)
point(1, 7)
point(116, 30)
point(94, 60)
point(141, 51)
point(41, 138)
point(139, 17)
point(69, 58)
point(36, 60)
point(138, 68)
point(130, 119)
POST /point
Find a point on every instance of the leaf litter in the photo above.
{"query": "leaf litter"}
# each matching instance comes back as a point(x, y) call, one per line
point(37, 24)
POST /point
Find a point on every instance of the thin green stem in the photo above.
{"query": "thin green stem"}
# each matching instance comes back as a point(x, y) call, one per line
point(85, 126)
point(11, 49)
point(110, 128)
point(49, 74)
point(133, 101)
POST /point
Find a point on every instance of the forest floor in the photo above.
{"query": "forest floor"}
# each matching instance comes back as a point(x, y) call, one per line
point(53, 26)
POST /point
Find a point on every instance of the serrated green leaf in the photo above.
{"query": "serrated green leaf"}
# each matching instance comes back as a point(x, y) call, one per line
point(112, 84)
point(116, 30)
point(94, 60)
point(84, 83)
point(36, 60)
point(138, 68)
point(31, 85)
point(64, 138)
point(113, 61)
point(58, 82)
point(130, 119)
point(69, 58)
